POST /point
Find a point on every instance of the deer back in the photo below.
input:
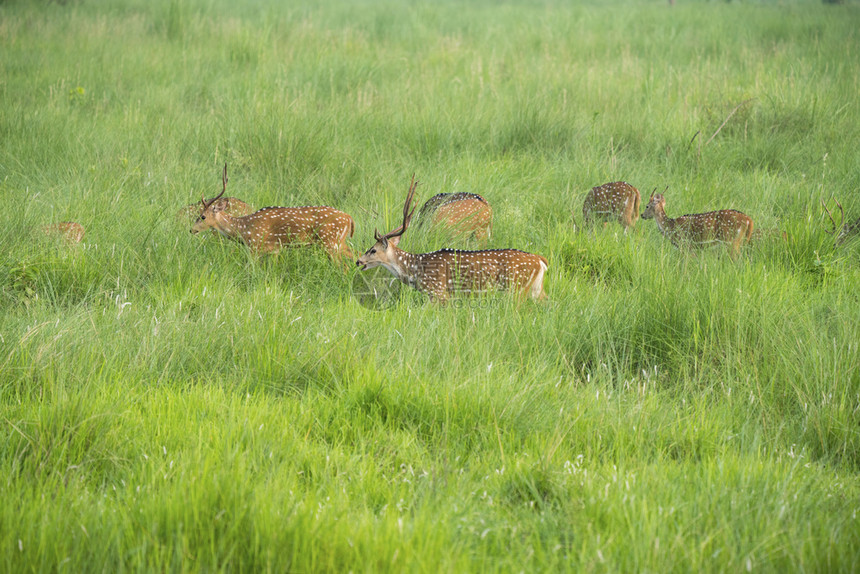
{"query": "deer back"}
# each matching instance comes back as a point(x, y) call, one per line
point(726, 225)
point(462, 213)
point(271, 228)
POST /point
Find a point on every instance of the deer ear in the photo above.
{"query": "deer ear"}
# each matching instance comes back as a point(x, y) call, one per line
point(393, 241)
point(220, 205)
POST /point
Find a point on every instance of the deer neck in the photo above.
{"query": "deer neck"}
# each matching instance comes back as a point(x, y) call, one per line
point(403, 265)
point(227, 225)
point(664, 224)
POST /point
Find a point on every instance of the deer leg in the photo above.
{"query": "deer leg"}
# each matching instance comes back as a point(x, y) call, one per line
point(736, 247)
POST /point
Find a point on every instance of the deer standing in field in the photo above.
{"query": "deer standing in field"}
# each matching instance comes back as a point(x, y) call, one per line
point(448, 271)
point(70, 231)
point(841, 232)
point(700, 229)
point(271, 228)
point(463, 213)
point(618, 201)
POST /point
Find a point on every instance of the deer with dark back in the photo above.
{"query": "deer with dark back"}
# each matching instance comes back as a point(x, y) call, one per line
point(460, 213)
point(271, 228)
point(443, 273)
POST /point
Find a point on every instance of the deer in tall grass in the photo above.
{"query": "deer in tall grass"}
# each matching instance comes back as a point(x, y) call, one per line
point(443, 273)
point(461, 213)
point(69, 231)
point(841, 232)
point(701, 229)
point(271, 228)
point(615, 201)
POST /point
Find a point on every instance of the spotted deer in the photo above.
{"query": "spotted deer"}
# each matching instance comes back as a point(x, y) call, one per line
point(841, 232)
point(462, 213)
point(447, 271)
point(69, 231)
point(616, 201)
point(701, 229)
point(271, 228)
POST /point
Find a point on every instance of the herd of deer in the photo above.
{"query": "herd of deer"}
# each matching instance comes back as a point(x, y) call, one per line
point(442, 273)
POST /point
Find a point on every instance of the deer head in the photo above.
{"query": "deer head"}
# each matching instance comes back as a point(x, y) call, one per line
point(384, 250)
point(655, 201)
point(211, 208)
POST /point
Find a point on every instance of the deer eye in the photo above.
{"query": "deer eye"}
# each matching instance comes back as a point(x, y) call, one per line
point(202, 217)
point(372, 251)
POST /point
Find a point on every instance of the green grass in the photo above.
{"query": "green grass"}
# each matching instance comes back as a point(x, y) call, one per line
point(172, 402)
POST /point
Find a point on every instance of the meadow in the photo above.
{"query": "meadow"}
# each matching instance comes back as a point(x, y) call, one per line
point(171, 402)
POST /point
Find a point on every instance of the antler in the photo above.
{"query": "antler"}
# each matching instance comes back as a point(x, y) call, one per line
point(217, 197)
point(655, 191)
point(407, 215)
point(830, 215)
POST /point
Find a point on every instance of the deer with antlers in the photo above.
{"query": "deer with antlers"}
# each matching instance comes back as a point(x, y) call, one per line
point(271, 228)
point(616, 201)
point(841, 232)
point(448, 271)
point(701, 229)
point(462, 213)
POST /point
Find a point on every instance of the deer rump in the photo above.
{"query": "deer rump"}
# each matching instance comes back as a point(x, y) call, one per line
point(611, 204)
point(454, 271)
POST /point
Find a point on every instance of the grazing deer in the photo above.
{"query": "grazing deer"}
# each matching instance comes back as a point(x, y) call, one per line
point(617, 201)
point(70, 231)
point(725, 226)
point(842, 232)
point(444, 272)
point(271, 228)
point(463, 213)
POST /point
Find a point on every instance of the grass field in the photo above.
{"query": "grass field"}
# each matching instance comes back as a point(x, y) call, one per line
point(170, 402)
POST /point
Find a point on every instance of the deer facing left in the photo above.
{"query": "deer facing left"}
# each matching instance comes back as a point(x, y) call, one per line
point(271, 228)
point(447, 271)
point(461, 214)
point(700, 229)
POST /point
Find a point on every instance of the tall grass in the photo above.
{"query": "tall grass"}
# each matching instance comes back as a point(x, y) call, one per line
point(173, 402)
